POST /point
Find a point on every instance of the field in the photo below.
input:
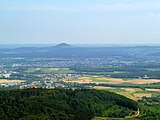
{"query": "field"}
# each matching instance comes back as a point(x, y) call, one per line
point(153, 90)
point(10, 81)
point(50, 70)
point(132, 93)
point(107, 80)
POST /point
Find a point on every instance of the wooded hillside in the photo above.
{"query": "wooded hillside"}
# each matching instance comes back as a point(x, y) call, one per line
point(62, 104)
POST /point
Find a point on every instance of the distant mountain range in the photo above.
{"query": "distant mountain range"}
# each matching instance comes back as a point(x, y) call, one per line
point(66, 50)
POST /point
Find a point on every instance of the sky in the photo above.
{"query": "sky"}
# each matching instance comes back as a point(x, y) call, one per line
point(80, 21)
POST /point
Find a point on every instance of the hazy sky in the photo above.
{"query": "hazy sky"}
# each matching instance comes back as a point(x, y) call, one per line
point(80, 21)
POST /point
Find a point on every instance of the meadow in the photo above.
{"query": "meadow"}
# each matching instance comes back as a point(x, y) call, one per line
point(50, 70)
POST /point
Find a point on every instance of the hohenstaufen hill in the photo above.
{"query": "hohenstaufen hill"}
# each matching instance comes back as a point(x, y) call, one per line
point(65, 50)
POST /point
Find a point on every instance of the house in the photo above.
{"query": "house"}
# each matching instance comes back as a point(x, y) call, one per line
point(7, 75)
point(145, 77)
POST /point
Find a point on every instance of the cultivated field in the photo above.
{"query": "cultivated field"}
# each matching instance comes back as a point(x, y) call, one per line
point(10, 81)
point(143, 81)
point(132, 93)
point(153, 90)
point(107, 80)
point(140, 95)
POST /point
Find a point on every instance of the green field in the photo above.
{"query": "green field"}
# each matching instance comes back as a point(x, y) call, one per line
point(50, 70)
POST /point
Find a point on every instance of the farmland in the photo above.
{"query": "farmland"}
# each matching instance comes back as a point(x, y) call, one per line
point(11, 81)
point(108, 80)
point(132, 93)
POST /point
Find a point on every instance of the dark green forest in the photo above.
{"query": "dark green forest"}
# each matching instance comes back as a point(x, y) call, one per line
point(63, 104)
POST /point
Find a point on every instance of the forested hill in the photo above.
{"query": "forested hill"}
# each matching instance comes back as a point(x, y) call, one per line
point(62, 104)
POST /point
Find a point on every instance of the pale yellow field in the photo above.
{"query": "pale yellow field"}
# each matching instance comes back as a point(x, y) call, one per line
point(81, 80)
point(130, 89)
point(129, 92)
point(143, 81)
point(140, 95)
point(102, 87)
point(153, 90)
point(112, 80)
point(9, 81)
